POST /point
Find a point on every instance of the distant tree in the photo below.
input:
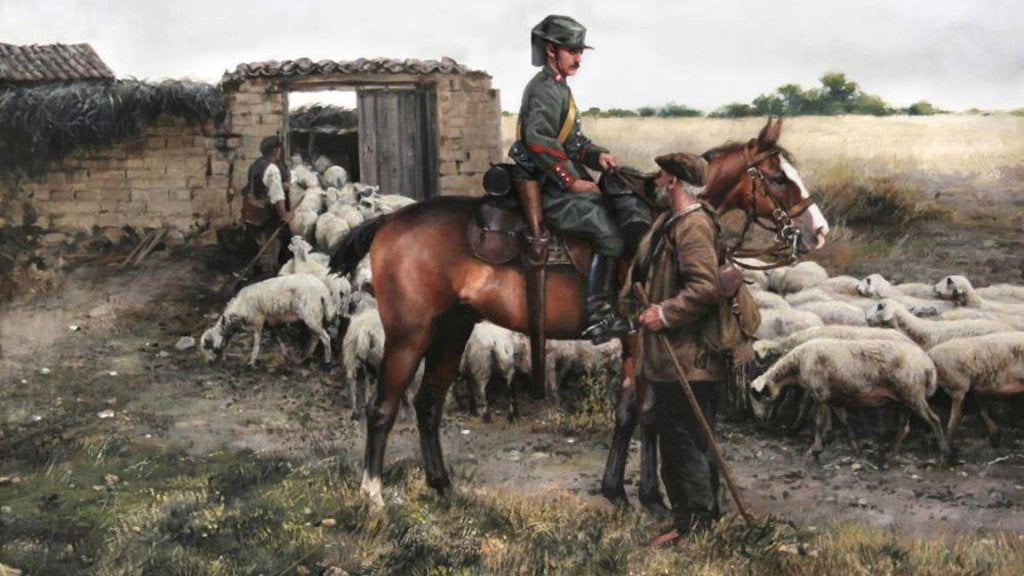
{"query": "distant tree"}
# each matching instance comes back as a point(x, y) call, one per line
point(922, 108)
point(734, 110)
point(673, 110)
point(620, 113)
point(593, 111)
point(646, 111)
point(837, 93)
point(767, 104)
point(871, 104)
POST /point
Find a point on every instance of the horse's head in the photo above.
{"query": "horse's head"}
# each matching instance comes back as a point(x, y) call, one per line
point(760, 178)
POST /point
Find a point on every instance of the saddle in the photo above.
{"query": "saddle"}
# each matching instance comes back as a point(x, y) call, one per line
point(497, 235)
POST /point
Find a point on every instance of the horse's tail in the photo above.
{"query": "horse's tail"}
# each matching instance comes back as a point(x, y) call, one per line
point(355, 245)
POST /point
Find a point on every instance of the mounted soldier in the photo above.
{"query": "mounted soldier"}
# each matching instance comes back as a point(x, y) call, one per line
point(552, 156)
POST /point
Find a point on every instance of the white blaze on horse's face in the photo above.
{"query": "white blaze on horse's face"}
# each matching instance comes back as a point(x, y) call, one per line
point(812, 222)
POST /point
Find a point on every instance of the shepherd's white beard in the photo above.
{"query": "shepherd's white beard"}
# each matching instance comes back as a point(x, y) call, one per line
point(661, 197)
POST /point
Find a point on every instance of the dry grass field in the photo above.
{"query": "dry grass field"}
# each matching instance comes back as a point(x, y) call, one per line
point(942, 193)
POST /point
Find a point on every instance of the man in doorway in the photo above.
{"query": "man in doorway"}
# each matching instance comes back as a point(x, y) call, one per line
point(678, 263)
point(551, 155)
point(264, 205)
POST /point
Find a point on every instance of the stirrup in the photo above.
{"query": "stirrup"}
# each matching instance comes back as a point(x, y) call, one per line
point(608, 326)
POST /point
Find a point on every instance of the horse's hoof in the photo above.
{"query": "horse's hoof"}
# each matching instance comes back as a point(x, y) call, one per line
point(486, 417)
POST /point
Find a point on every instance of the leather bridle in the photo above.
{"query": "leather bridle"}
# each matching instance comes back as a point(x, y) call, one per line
point(785, 250)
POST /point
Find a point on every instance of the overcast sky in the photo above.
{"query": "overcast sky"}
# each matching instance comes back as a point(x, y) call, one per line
point(956, 54)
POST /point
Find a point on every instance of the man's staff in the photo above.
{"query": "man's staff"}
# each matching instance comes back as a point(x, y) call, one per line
point(245, 271)
point(695, 406)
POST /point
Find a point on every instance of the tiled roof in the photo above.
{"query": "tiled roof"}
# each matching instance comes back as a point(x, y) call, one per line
point(306, 67)
point(40, 64)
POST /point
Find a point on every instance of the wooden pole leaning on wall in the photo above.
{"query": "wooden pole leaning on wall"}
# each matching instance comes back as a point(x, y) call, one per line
point(695, 406)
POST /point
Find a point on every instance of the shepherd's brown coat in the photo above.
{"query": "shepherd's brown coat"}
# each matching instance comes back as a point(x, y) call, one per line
point(683, 280)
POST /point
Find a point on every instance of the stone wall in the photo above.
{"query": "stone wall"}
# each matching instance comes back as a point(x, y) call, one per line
point(469, 132)
point(179, 176)
point(172, 175)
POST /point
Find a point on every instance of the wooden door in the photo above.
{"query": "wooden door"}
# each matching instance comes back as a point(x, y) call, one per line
point(397, 149)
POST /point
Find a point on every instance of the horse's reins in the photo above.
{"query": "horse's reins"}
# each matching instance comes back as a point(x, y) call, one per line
point(787, 235)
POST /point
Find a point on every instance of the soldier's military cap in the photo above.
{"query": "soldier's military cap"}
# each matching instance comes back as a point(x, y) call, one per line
point(561, 30)
point(687, 167)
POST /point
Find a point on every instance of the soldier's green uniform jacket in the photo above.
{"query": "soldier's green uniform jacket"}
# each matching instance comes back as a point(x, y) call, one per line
point(554, 153)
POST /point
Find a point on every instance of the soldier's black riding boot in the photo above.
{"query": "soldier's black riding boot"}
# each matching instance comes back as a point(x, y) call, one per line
point(603, 321)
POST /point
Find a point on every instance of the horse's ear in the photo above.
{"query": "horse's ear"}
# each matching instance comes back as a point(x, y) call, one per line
point(769, 134)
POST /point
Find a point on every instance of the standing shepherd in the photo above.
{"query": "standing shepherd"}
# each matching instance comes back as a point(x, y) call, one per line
point(264, 204)
point(552, 154)
point(678, 264)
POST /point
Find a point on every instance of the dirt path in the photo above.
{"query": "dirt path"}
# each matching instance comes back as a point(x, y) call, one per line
point(120, 372)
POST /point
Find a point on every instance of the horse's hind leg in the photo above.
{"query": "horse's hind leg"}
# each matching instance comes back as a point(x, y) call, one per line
point(442, 364)
point(403, 350)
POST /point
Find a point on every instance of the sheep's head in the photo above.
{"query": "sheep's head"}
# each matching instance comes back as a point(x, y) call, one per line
point(952, 288)
point(213, 341)
point(762, 397)
point(869, 285)
point(299, 246)
point(882, 314)
point(766, 353)
point(211, 345)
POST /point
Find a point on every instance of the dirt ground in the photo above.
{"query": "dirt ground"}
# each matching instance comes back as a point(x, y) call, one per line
point(99, 354)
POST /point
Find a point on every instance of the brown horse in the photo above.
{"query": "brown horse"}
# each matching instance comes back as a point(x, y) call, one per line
point(431, 290)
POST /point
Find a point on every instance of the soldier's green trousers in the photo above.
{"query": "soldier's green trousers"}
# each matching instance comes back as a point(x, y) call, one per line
point(596, 218)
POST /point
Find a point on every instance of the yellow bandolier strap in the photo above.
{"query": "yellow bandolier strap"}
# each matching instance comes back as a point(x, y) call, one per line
point(563, 134)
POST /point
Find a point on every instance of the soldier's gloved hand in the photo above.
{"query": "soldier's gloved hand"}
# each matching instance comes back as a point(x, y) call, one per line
point(607, 161)
point(582, 186)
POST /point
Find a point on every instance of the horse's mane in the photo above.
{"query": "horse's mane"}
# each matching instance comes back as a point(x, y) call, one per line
point(732, 147)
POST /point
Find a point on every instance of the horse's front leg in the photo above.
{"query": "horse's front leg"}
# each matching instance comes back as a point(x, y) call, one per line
point(442, 365)
point(613, 482)
point(649, 491)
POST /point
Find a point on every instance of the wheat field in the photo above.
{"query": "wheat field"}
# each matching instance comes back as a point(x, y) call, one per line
point(986, 149)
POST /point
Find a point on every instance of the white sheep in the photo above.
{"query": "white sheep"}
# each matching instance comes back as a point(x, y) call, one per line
point(565, 357)
point(929, 333)
point(278, 300)
point(362, 356)
point(314, 200)
point(388, 203)
point(959, 290)
point(795, 278)
point(304, 260)
point(841, 285)
point(359, 301)
point(835, 312)
point(303, 223)
point(1009, 293)
point(778, 322)
point(490, 355)
point(756, 278)
point(876, 286)
point(330, 230)
point(304, 177)
point(347, 195)
point(766, 299)
point(854, 372)
point(334, 177)
point(350, 214)
point(988, 367)
point(362, 276)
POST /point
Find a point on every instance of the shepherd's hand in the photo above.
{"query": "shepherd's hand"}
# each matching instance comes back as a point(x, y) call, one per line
point(651, 319)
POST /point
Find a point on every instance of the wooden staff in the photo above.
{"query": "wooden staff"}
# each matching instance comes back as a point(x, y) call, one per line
point(245, 271)
point(733, 489)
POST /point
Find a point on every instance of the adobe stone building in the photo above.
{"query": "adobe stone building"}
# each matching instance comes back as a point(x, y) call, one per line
point(425, 128)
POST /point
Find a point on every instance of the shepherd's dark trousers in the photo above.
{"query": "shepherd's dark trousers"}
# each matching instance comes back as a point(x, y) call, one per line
point(688, 468)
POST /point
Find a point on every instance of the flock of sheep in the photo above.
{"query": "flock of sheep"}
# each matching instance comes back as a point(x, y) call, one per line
point(841, 341)
point(865, 343)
